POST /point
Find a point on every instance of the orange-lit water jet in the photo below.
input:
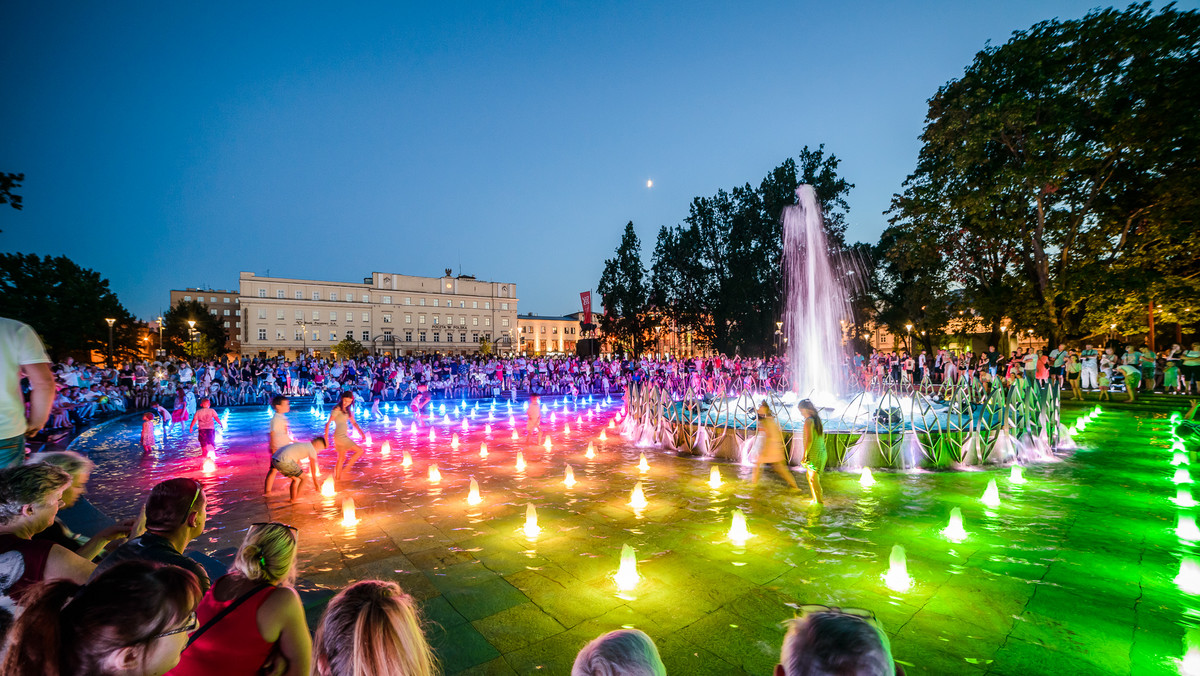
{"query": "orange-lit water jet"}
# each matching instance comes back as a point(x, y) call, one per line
point(520, 461)
point(591, 452)
point(407, 461)
point(386, 450)
point(738, 533)
point(531, 525)
point(434, 475)
point(714, 477)
point(643, 466)
point(473, 495)
point(327, 490)
point(349, 517)
point(483, 453)
point(569, 477)
point(637, 499)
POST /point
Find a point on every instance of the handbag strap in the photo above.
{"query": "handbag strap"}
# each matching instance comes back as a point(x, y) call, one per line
point(225, 611)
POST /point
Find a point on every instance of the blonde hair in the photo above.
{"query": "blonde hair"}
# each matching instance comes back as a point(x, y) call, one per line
point(372, 627)
point(268, 554)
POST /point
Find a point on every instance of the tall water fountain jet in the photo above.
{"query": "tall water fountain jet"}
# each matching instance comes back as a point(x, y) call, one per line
point(627, 576)
point(897, 578)
point(531, 525)
point(815, 304)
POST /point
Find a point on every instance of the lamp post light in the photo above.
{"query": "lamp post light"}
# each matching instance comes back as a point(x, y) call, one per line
point(304, 334)
point(160, 328)
point(778, 334)
point(192, 338)
point(110, 334)
point(908, 341)
point(1029, 332)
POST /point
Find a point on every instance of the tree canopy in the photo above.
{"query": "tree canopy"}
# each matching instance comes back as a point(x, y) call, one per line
point(626, 295)
point(209, 339)
point(66, 304)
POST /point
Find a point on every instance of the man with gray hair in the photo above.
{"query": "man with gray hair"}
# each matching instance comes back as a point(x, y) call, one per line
point(830, 642)
point(625, 652)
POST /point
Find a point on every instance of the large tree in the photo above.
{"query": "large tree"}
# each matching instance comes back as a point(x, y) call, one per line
point(67, 305)
point(626, 295)
point(205, 341)
point(718, 273)
point(1068, 155)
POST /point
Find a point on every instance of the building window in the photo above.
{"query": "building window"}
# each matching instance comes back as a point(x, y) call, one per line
point(487, 321)
point(299, 295)
point(187, 298)
point(450, 320)
point(367, 336)
point(435, 319)
point(366, 298)
point(212, 311)
point(278, 315)
point(279, 293)
point(225, 300)
point(462, 337)
point(226, 312)
point(349, 335)
point(474, 305)
point(474, 337)
point(366, 316)
point(462, 320)
point(462, 304)
point(387, 300)
point(408, 336)
point(316, 295)
point(421, 319)
point(487, 305)
point(435, 302)
point(333, 295)
point(333, 335)
point(262, 313)
point(387, 318)
point(349, 316)
point(300, 315)
point(422, 301)
point(316, 315)
point(554, 330)
point(421, 336)
point(212, 299)
point(407, 318)
point(474, 321)
point(262, 334)
point(504, 306)
point(543, 329)
point(278, 335)
point(437, 337)
point(299, 334)
point(333, 315)
point(237, 325)
point(262, 293)
point(237, 313)
point(408, 300)
point(226, 324)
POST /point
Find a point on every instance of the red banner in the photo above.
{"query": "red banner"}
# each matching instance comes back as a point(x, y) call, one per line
point(586, 299)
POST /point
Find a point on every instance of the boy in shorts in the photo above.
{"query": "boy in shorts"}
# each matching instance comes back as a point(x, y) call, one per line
point(281, 433)
point(286, 461)
point(207, 419)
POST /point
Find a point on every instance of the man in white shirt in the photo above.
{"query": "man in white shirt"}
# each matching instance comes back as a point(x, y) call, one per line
point(22, 354)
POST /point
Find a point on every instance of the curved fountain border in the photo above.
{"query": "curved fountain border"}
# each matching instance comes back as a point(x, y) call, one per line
point(1015, 424)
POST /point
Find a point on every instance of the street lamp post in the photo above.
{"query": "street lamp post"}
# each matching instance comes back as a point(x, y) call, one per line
point(192, 338)
point(304, 334)
point(908, 341)
point(110, 334)
point(160, 327)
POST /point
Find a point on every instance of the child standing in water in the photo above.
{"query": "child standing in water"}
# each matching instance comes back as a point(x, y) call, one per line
point(342, 418)
point(815, 453)
point(771, 438)
point(207, 420)
point(147, 432)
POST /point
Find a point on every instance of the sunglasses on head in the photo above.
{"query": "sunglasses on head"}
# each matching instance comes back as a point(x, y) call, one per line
point(192, 504)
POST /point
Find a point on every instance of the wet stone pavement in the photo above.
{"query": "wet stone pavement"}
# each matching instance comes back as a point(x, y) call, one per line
point(1071, 573)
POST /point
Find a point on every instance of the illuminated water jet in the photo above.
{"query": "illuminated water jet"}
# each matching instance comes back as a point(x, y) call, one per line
point(531, 524)
point(567, 429)
point(637, 499)
point(627, 576)
point(1179, 459)
point(520, 461)
point(714, 477)
point(738, 532)
point(473, 495)
point(591, 452)
point(483, 452)
point(897, 578)
point(1188, 579)
point(434, 475)
point(603, 436)
point(1186, 528)
point(514, 435)
point(643, 466)
point(454, 440)
point(1017, 475)
point(1183, 498)
point(209, 466)
point(547, 445)
point(386, 450)
point(569, 477)
point(954, 532)
point(349, 517)
point(487, 429)
point(327, 489)
point(432, 434)
point(1182, 476)
point(991, 496)
point(867, 479)
point(407, 461)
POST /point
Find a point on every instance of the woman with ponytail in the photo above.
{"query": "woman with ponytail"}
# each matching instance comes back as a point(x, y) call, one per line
point(252, 621)
point(132, 620)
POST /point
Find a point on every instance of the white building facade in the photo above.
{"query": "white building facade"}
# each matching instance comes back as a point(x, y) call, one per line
point(390, 314)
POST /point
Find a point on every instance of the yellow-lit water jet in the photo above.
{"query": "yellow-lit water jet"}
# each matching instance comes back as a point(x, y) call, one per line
point(591, 452)
point(520, 461)
point(327, 489)
point(991, 496)
point(637, 499)
point(567, 429)
point(955, 532)
point(454, 440)
point(866, 480)
point(627, 576)
point(434, 475)
point(643, 466)
point(569, 477)
point(349, 517)
point(210, 466)
point(897, 578)
point(515, 436)
point(548, 445)
point(483, 453)
point(738, 533)
point(386, 449)
point(714, 477)
point(612, 425)
point(531, 525)
point(473, 495)
point(603, 436)
point(407, 461)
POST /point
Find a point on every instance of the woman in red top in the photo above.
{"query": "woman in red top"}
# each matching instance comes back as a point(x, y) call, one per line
point(266, 625)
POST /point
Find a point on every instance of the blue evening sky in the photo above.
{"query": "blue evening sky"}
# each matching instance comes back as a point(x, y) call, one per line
point(172, 144)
